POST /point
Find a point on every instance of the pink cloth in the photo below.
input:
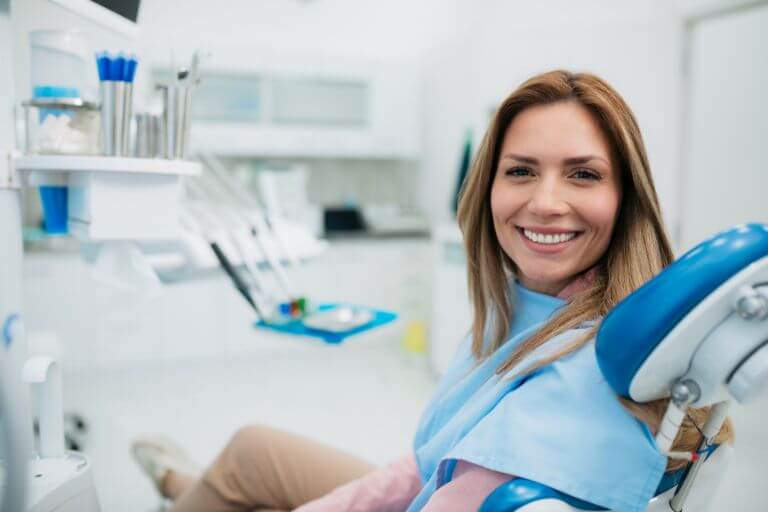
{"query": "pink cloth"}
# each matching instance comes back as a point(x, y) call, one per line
point(393, 487)
point(467, 490)
point(387, 489)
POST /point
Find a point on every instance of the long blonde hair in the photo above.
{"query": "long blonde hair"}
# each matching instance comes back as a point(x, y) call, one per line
point(639, 247)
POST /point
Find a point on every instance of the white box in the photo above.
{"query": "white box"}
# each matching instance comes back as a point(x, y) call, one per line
point(123, 206)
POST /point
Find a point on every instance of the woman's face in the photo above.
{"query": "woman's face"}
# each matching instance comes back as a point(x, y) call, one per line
point(556, 194)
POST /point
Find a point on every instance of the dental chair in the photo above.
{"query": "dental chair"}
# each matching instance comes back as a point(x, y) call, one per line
point(696, 333)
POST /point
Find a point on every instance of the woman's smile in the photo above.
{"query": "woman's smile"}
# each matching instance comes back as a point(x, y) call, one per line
point(547, 240)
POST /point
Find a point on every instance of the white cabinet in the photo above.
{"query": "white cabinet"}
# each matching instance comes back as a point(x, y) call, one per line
point(307, 101)
point(349, 110)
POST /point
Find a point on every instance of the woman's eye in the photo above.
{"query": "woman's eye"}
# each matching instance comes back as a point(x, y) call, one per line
point(518, 171)
point(586, 174)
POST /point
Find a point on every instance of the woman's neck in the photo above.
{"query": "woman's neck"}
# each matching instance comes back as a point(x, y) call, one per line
point(578, 284)
point(567, 289)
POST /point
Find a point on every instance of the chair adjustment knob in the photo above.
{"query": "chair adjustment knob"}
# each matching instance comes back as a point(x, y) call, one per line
point(685, 392)
point(752, 305)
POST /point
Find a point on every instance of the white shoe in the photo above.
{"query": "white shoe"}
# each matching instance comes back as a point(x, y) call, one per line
point(157, 455)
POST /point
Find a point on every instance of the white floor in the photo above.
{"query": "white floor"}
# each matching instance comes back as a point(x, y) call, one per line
point(364, 397)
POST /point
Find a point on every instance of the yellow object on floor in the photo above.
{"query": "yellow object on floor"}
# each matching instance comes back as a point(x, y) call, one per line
point(415, 337)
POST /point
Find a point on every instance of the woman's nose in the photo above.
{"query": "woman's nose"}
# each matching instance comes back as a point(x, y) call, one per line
point(547, 199)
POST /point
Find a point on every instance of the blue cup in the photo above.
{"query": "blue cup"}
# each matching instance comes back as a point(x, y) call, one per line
point(55, 211)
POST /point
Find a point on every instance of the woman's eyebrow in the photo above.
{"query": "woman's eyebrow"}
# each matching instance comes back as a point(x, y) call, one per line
point(521, 158)
point(574, 160)
point(583, 159)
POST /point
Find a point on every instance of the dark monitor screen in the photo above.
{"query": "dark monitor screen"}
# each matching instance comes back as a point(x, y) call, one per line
point(128, 9)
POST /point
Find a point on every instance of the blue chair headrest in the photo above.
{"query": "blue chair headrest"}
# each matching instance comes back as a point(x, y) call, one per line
point(633, 329)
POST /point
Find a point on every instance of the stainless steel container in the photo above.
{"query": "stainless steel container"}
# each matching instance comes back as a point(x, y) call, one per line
point(150, 140)
point(116, 108)
point(127, 116)
point(177, 105)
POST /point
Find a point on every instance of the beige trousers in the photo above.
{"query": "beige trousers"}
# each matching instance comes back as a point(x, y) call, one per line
point(267, 469)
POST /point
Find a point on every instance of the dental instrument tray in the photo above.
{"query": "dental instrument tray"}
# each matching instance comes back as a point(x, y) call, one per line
point(333, 323)
point(338, 320)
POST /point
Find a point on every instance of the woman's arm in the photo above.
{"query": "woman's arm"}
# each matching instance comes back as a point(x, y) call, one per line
point(467, 489)
point(388, 489)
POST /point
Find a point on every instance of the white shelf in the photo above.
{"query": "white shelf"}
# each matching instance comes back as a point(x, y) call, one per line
point(72, 163)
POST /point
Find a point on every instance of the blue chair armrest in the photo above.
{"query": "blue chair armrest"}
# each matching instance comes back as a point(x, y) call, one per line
point(519, 492)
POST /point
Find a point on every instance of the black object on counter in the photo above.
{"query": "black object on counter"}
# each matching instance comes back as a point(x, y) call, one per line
point(343, 219)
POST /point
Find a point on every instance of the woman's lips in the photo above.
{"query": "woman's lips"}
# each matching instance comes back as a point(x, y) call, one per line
point(546, 248)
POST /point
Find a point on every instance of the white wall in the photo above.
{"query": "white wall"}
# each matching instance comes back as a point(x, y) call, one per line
point(726, 153)
point(323, 36)
point(255, 30)
point(634, 45)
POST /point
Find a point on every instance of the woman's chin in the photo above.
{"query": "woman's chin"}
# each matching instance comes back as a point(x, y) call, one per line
point(545, 282)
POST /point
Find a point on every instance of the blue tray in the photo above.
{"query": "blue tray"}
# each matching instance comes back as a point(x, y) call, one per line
point(297, 328)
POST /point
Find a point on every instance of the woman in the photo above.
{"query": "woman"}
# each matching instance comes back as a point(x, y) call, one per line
point(560, 221)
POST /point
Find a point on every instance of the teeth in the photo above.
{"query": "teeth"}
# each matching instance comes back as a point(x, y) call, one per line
point(548, 239)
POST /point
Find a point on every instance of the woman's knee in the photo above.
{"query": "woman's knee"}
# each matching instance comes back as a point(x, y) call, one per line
point(245, 454)
point(249, 438)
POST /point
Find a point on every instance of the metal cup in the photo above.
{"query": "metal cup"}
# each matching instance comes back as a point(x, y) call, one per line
point(116, 107)
point(177, 104)
point(149, 136)
point(125, 147)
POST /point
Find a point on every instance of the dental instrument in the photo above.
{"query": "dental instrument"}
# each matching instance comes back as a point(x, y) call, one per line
point(253, 213)
point(228, 220)
point(216, 193)
point(332, 322)
point(258, 216)
point(218, 234)
point(235, 277)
